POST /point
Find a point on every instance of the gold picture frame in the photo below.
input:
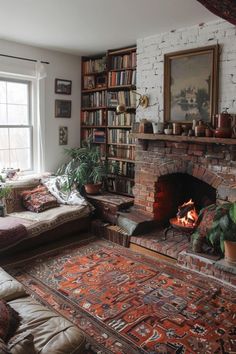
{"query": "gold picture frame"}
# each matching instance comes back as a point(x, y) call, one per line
point(191, 84)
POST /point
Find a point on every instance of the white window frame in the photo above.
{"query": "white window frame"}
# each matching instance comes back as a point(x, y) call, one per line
point(32, 122)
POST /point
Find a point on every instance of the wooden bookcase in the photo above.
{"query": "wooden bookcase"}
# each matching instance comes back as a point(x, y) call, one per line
point(102, 90)
point(94, 100)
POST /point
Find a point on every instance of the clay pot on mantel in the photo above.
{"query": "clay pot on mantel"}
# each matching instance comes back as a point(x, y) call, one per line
point(223, 125)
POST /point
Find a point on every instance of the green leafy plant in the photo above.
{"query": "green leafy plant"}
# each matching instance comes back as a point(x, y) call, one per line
point(5, 190)
point(85, 166)
point(223, 227)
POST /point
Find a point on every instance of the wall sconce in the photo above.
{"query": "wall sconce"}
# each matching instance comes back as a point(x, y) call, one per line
point(143, 102)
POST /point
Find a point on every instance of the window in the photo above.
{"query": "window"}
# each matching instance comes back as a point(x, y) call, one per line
point(16, 129)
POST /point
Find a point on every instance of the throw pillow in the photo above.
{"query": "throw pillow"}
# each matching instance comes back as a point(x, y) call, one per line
point(38, 199)
point(58, 186)
point(9, 321)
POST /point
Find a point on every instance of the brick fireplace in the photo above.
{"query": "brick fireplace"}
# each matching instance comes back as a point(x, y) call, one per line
point(167, 169)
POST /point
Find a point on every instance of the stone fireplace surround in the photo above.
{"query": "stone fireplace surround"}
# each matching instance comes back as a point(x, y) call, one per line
point(210, 162)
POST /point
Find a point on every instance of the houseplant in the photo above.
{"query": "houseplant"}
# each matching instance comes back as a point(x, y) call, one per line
point(219, 228)
point(85, 168)
point(5, 190)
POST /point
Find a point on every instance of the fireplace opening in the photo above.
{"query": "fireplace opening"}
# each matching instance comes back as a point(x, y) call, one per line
point(179, 192)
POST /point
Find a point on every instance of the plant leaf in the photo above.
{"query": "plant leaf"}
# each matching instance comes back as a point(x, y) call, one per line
point(224, 222)
point(232, 212)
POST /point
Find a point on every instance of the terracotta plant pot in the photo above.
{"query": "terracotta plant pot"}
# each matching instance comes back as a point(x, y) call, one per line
point(92, 188)
point(230, 251)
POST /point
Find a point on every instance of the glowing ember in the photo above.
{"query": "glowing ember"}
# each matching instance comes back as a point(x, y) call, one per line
point(187, 215)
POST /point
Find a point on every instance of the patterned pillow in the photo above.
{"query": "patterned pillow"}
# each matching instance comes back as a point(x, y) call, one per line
point(38, 199)
point(9, 321)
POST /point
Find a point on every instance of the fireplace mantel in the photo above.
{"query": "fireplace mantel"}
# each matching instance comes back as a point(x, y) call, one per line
point(180, 138)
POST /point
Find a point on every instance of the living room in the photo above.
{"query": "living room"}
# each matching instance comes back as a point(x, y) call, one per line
point(142, 265)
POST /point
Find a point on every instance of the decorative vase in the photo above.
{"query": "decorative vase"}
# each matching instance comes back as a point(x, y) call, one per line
point(91, 188)
point(230, 251)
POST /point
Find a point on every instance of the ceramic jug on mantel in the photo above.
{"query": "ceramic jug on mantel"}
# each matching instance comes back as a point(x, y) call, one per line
point(223, 125)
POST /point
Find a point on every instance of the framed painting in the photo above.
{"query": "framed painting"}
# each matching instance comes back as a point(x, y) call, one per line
point(62, 108)
point(191, 85)
point(63, 86)
point(63, 135)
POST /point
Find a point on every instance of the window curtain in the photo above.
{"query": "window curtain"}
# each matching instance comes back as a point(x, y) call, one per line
point(225, 9)
point(41, 75)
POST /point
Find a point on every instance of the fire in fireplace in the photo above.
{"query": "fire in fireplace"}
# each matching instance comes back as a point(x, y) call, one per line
point(186, 217)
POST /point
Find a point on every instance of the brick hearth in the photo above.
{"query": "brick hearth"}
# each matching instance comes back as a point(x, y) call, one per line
point(211, 163)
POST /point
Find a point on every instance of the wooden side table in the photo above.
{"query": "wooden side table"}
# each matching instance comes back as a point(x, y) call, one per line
point(108, 204)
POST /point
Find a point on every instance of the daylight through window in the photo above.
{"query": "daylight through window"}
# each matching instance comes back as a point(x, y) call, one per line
point(15, 124)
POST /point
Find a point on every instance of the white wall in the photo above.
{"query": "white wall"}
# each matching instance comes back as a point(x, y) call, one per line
point(150, 62)
point(63, 66)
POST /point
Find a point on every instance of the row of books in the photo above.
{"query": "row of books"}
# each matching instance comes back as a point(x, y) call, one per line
point(96, 99)
point(121, 186)
point(99, 136)
point(127, 98)
point(94, 65)
point(85, 134)
point(124, 119)
point(123, 61)
point(121, 78)
point(93, 117)
point(117, 235)
point(123, 152)
point(121, 136)
point(125, 169)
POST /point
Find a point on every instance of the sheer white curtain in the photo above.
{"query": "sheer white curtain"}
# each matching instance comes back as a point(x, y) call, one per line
point(40, 113)
point(36, 73)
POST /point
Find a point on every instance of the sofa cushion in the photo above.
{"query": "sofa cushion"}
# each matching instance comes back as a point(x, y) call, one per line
point(38, 199)
point(22, 344)
point(37, 223)
point(10, 288)
point(9, 321)
point(3, 347)
point(52, 333)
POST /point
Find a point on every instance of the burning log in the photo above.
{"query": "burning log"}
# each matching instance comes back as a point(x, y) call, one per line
point(187, 214)
point(184, 209)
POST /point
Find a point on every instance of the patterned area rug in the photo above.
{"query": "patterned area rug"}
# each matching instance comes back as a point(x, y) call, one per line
point(128, 303)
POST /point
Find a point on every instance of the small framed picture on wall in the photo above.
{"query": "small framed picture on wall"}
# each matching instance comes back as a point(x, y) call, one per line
point(62, 108)
point(63, 87)
point(63, 135)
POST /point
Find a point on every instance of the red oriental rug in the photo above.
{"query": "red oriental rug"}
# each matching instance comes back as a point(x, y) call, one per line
point(129, 303)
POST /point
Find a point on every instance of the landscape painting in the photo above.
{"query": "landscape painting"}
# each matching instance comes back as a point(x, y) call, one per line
point(190, 85)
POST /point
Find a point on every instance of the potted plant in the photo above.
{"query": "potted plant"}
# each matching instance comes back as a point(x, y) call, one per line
point(220, 231)
point(4, 193)
point(86, 168)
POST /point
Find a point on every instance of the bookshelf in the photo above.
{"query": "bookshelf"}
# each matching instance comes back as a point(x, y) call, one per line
point(94, 100)
point(120, 147)
point(107, 81)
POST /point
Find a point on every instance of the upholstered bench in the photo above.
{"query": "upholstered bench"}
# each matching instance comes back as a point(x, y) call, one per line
point(41, 330)
point(42, 227)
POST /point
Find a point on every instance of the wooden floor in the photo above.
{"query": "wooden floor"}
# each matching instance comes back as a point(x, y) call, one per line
point(151, 253)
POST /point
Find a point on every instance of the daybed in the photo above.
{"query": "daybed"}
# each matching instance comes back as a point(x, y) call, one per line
point(38, 228)
point(41, 330)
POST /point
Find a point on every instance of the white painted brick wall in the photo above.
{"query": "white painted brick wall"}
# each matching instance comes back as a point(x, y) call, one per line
point(150, 63)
